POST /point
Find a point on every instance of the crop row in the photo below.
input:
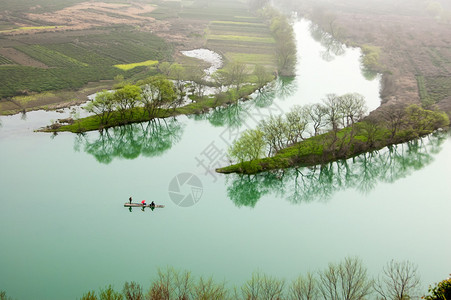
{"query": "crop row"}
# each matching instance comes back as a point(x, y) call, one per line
point(82, 54)
point(90, 58)
point(14, 79)
point(128, 47)
point(438, 87)
point(49, 57)
point(5, 61)
point(242, 38)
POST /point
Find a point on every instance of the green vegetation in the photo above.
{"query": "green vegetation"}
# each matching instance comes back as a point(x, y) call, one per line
point(441, 291)
point(289, 148)
point(370, 58)
point(249, 146)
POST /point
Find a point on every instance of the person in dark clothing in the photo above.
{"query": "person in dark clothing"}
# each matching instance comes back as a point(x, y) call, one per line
point(152, 204)
point(130, 199)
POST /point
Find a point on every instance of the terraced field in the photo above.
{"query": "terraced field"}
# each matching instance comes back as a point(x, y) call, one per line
point(47, 47)
point(242, 38)
point(73, 64)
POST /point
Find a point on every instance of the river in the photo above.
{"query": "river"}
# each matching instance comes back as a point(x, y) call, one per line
point(64, 230)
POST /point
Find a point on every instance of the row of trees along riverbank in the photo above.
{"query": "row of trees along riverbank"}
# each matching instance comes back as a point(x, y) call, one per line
point(347, 280)
point(174, 92)
point(324, 132)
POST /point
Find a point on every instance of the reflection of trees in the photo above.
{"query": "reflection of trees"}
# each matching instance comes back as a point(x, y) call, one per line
point(266, 97)
point(319, 183)
point(332, 47)
point(368, 73)
point(233, 115)
point(285, 87)
point(129, 141)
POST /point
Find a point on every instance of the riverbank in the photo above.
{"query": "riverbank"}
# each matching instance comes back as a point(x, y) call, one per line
point(366, 136)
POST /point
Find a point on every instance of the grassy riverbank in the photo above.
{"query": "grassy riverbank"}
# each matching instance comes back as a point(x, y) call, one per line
point(139, 114)
point(365, 136)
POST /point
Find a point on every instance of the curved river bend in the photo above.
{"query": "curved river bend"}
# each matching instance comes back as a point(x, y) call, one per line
point(64, 229)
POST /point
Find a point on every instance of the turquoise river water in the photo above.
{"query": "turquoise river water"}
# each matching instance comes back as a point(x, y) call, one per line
point(64, 230)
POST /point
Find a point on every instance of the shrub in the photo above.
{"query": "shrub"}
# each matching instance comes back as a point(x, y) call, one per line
point(442, 291)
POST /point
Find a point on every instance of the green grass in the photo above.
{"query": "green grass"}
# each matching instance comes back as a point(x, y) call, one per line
point(251, 58)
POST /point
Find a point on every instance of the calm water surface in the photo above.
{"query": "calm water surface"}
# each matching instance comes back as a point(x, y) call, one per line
point(64, 231)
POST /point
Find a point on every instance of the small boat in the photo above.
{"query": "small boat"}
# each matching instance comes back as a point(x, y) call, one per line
point(127, 204)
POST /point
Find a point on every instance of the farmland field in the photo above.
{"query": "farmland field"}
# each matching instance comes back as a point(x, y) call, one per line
point(49, 46)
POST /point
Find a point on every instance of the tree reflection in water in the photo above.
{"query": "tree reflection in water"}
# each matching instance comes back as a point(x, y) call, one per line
point(130, 141)
point(285, 87)
point(237, 114)
point(332, 47)
point(320, 183)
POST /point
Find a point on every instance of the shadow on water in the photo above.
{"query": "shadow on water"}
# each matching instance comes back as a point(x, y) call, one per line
point(130, 141)
point(320, 183)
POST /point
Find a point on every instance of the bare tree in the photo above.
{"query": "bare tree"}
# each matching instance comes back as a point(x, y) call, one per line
point(353, 108)
point(304, 288)
point(296, 123)
point(133, 291)
point(263, 287)
point(208, 289)
point(333, 104)
point(398, 282)
point(171, 284)
point(109, 294)
point(345, 281)
point(317, 114)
